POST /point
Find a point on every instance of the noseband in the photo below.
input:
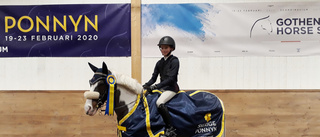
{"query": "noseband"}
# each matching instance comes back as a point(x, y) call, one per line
point(110, 82)
point(108, 94)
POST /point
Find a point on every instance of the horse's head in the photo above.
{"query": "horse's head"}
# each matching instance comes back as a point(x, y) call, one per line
point(98, 89)
point(119, 91)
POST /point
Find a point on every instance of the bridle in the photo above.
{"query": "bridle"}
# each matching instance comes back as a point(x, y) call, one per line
point(97, 77)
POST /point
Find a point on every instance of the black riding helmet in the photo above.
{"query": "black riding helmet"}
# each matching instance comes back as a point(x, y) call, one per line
point(167, 40)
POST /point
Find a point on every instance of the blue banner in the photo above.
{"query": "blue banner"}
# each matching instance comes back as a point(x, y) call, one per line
point(85, 30)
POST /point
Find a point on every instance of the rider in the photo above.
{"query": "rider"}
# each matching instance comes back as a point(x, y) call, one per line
point(167, 67)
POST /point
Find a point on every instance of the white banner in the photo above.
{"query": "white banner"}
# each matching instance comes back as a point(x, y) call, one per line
point(233, 29)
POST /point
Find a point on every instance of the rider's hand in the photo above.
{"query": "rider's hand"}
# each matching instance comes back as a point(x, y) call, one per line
point(145, 86)
point(148, 88)
point(153, 87)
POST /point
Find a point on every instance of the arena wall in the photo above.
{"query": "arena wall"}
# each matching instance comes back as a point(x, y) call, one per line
point(249, 113)
point(263, 96)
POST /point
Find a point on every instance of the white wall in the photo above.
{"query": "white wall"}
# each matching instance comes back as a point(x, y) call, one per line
point(244, 72)
point(55, 73)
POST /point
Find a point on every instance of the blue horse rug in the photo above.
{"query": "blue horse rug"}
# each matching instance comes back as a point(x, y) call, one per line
point(193, 114)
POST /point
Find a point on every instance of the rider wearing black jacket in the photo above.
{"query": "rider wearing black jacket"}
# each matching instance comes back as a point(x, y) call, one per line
point(168, 68)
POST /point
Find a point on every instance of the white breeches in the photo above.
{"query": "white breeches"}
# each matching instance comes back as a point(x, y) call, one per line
point(165, 97)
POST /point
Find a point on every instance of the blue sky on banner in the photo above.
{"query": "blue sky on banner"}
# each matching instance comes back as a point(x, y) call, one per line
point(188, 17)
point(189, 24)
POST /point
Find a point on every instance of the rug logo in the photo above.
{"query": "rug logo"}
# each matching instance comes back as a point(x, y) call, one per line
point(207, 117)
point(209, 126)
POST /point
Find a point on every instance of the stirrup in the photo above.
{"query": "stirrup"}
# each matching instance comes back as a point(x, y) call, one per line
point(169, 132)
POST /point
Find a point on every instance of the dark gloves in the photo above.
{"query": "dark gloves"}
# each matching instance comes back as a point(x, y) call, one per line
point(149, 88)
point(153, 87)
point(145, 86)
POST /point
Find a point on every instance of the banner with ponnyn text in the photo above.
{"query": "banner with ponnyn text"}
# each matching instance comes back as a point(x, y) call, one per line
point(71, 30)
point(233, 29)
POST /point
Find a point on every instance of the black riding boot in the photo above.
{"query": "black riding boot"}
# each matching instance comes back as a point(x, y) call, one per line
point(169, 131)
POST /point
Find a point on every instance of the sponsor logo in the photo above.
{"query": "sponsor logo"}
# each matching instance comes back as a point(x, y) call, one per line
point(208, 127)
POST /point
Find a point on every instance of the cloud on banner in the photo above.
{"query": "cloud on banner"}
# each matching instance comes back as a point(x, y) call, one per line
point(190, 18)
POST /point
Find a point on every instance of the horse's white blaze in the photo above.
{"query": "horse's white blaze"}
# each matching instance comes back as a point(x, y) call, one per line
point(88, 107)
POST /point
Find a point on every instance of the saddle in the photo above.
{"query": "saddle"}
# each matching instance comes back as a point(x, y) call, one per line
point(193, 114)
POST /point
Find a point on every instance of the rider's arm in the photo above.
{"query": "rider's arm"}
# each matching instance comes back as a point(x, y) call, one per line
point(172, 74)
point(154, 75)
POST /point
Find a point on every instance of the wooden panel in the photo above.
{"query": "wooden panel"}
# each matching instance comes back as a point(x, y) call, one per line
point(50, 114)
point(249, 113)
point(275, 113)
point(136, 39)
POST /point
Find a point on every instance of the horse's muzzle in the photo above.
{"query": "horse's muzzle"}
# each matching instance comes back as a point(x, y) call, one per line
point(89, 109)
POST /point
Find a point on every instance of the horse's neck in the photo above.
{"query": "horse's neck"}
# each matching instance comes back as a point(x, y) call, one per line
point(128, 97)
point(128, 89)
point(125, 102)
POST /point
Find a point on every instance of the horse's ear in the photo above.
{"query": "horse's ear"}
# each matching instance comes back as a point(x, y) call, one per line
point(104, 68)
point(93, 68)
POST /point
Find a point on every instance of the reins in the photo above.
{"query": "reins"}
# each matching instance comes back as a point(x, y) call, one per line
point(96, 79)
point(141, 98)
point(102, 100)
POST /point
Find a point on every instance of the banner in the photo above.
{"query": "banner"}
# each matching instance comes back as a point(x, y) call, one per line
point(233, 29)
point(74, 30)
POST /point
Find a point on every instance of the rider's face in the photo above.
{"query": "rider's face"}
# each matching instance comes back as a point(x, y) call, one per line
point(165, 50)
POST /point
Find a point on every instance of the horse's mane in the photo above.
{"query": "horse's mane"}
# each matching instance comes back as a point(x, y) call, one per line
point(128, 82)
